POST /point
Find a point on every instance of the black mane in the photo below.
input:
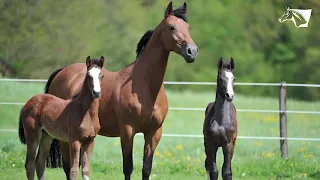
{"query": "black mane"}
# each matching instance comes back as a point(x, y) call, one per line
point(146, 37)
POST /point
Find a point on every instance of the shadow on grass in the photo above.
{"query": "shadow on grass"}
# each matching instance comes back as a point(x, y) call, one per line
point(315, 175)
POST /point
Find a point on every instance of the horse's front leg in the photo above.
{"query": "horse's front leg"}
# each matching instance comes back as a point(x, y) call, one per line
point(151, 141)
point(210, 162)
point(228, 154)
point(74, 146)
point(86, 151)
point(127, 136)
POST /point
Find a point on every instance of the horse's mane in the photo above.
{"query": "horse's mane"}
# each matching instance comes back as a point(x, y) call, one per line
point(146, 37)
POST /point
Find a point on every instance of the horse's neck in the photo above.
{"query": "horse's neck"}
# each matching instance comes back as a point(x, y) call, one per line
point(222, 109)
point(150, 66)
point(298, 19)
point(86, 102)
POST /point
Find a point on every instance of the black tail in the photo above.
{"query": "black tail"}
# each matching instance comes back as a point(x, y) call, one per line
point(55, 158)
point(51, 77)
point(21, 131)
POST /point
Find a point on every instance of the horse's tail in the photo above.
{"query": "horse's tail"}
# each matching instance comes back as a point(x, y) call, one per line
point(51, 77)
point(55, 157)
point(21, 130)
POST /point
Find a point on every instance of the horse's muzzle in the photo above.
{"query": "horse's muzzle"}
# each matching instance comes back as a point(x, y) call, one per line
point(191, 52)
point(96, 94)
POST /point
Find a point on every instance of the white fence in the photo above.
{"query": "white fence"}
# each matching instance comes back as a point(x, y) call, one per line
point(202, 109)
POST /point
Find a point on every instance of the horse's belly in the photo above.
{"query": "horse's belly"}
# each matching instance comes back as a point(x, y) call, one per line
point(58, 133)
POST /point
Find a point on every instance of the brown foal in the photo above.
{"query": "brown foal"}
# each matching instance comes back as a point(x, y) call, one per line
point(75, 121)
point(133, 98)
point(220, 126)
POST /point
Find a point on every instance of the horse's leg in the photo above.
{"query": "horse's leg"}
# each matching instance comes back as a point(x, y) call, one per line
point(66, 158)
point(127, 136)
point(151, 141)
point(74, 147)
point(210, 162)
point(86, 151)
point(228, 154)
point(32, 138)
point(43, 153)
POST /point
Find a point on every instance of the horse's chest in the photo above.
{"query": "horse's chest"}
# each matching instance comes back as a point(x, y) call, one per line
point(88, 127)
point(221, 132)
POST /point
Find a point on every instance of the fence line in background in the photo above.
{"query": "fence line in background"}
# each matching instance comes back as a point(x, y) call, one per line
point(201, 136)
point(203, 109)
point(187, 83)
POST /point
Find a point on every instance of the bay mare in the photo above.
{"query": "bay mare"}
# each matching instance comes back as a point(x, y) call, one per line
point(74, 121)
point(220, 127)
point(133, 98)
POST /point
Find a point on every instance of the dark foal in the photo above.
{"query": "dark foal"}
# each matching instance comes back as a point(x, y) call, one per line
point(220, 126)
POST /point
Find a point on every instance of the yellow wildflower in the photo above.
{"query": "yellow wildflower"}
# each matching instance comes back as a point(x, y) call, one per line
point(157, 153)
point(270, 154)
point(168, 153)
point(179, 147)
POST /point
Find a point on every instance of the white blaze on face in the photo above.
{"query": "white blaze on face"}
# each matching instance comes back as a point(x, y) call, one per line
point(94, 73)
point(230, 77)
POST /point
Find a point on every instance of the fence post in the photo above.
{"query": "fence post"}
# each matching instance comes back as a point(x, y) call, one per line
point(283, 121)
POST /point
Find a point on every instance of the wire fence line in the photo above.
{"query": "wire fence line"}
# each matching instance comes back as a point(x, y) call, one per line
point(203, 109)
point(188, 83)
point(201, 136)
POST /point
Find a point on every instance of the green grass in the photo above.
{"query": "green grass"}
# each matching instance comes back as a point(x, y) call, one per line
point(183, 158)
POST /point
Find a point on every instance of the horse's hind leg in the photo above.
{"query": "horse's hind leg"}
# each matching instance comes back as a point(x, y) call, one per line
point(86, 151)
point(43, 152)
point(228, 154)
point(32, 138)
point(210, 162)
point(66, 158)
point(151, 141)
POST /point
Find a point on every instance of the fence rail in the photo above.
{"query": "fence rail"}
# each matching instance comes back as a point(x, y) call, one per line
point(187, 83)
point(201, 136)
point(203, 109)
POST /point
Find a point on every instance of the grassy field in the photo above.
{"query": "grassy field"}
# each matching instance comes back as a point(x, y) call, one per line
point(183, 158)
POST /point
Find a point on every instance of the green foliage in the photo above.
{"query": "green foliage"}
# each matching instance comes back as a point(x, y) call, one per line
point(40, 36)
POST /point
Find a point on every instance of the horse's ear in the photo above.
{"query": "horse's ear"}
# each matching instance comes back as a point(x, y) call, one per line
point(184, 8)
point(288, 8)
point(168, 10)
point(220, 63)
point(101, 61)
point(88, 61)
point(232, 63)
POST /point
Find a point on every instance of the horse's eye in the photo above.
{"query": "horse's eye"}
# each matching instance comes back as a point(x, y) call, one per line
point(172, 28)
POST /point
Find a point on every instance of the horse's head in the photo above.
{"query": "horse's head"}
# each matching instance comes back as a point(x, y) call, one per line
point(286, 16)
point(225, 79)
point(175, 33)
point(94, 75)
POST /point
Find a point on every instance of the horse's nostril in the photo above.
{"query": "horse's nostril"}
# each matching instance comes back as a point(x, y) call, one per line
point(189, 51)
